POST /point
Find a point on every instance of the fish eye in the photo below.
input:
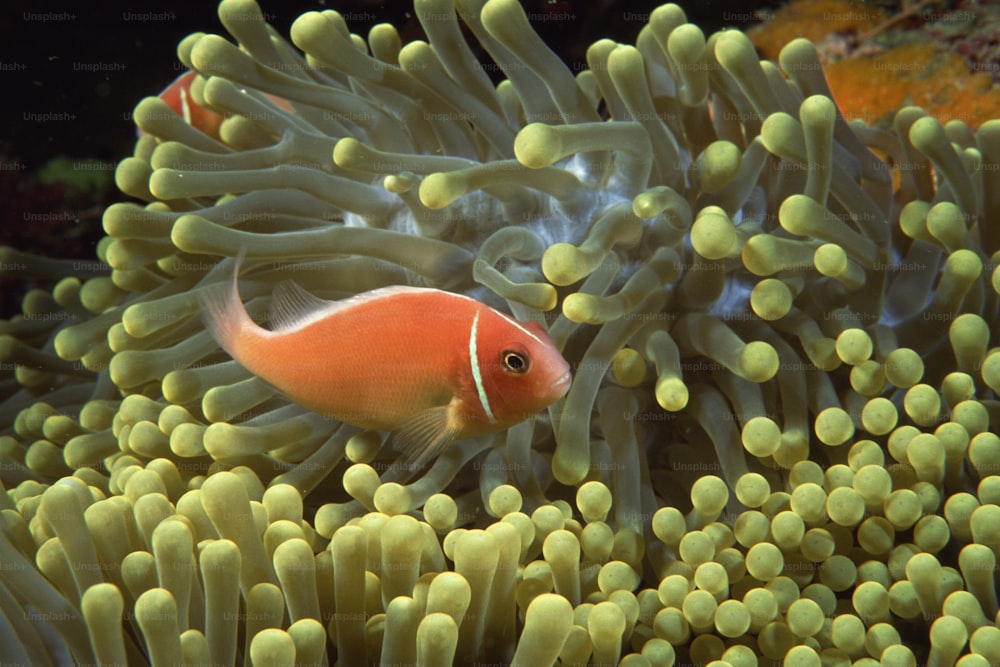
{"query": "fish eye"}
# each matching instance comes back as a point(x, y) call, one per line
point(514, 362)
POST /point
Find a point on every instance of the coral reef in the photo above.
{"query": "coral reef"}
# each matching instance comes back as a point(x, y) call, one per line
point(830, 22)
point(941, 56)
point(55, 210)
point(779, 444)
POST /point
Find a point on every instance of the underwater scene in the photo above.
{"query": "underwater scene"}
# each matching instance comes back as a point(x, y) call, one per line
point(487, 333)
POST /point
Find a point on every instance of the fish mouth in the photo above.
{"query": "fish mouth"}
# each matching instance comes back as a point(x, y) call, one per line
point(562, 384)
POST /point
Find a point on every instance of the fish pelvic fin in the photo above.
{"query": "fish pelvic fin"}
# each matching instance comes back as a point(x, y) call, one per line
point(423, 436)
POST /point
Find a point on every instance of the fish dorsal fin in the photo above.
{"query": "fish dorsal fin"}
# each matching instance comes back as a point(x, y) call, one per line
point(422, 437)
point(292, 306)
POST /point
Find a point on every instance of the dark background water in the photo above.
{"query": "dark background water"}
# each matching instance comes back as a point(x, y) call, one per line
point(87, 64)
point(72, 73)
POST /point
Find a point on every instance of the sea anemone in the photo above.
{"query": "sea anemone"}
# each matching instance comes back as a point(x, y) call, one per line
point(780, 438)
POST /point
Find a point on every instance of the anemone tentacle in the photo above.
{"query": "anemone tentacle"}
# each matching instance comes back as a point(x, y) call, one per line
point(781, 325)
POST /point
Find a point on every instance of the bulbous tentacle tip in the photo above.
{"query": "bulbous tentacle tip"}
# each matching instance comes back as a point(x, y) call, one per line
point(767, 361)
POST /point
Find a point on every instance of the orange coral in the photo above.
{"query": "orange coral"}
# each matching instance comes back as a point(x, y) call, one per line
point(919, 74)
point(871, 87)
point(814, 20)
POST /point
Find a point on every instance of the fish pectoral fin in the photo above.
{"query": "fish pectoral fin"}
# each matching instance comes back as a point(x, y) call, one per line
point(291, 304)
point(423, 436)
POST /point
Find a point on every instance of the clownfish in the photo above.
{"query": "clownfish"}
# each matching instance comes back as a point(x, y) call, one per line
point(430, 366)
point(178, 97)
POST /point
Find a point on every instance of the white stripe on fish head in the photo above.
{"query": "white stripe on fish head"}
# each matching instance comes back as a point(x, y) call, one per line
point(185, 106)
point(477, 373)
point(520, 327)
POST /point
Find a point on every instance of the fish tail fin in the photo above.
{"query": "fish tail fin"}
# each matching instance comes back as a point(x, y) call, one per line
point(224, 314)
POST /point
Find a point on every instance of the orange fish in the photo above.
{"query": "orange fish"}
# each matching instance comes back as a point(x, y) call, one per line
point(178, 97)
point(432, 366)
